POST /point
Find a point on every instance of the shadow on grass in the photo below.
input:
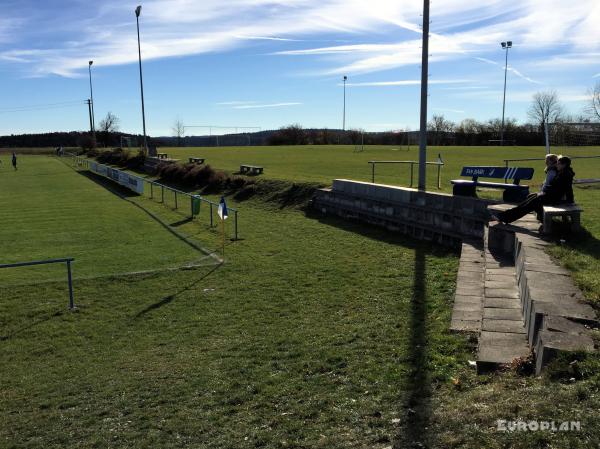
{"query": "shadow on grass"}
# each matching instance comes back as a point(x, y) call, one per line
point(181, 222)
point(418, 399)
point(108, 184)
point(30, 325)
point(417, 403)
point(169, 298)
point(585, 243)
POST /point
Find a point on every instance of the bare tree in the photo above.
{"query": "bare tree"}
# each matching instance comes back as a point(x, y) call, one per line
point(593, 107)
point(107, 125)
point(545, 108)
point(178, 130)
point(439, 125)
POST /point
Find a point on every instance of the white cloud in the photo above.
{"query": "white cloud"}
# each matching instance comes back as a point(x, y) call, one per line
point(268, 105)
point(402, 83)
point(510, 69)
point(169, 28)
point(457, 111)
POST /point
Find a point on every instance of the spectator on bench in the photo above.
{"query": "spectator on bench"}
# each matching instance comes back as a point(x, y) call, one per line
point(560, 189)
point(550, 170)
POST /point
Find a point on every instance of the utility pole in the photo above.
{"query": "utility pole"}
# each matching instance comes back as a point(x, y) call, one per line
point(424, 82)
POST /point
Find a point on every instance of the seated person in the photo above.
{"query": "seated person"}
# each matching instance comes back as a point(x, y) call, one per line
point(550, 170)
point(559, 190)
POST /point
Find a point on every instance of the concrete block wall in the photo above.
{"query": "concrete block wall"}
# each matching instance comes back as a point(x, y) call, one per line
point(433, 216)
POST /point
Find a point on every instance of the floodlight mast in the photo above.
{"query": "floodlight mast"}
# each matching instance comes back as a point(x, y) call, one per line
point(138, 10)
point(424, 81)
point(344, 114)
point(505, 46)
point(92, 101)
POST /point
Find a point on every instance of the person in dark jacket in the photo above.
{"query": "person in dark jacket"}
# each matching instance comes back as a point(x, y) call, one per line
point(559, 190)
point(14, 160)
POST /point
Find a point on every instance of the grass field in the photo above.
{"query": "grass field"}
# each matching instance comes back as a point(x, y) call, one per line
point(324, 163)
point(315, 333)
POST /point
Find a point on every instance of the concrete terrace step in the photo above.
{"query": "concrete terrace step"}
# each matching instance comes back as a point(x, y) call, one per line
point(512, 294)
point(553, 312)
point(467, 312)
point(502, 338)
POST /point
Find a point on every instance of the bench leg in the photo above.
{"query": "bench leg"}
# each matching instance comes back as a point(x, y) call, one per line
point(464, 190)
point(547, 223)
point(576, 221)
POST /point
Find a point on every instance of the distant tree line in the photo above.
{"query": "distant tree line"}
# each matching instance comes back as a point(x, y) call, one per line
point(545, 108)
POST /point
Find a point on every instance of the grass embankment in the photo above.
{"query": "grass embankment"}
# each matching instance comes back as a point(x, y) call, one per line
point(322, 164)
point(314, 334)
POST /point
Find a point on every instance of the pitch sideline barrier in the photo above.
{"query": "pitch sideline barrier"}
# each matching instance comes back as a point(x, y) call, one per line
point(136, 184)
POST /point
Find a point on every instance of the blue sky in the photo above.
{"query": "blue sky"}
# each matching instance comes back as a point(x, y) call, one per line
point(269, 63)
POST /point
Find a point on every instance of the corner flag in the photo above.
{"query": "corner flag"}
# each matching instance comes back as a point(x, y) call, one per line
point(222, 211)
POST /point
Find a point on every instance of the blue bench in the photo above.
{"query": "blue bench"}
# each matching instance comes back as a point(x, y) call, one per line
point(512, 192)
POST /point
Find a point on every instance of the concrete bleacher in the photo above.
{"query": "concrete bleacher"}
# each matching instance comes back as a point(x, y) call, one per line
point(509, 290)
point(432, 216)
point(527, 303)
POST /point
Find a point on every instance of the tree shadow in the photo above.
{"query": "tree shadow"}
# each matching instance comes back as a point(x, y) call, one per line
point(169, 298)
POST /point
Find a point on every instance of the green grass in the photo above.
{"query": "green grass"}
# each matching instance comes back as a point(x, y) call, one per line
point(323, 163)
point(315, 333)
point(50, 211)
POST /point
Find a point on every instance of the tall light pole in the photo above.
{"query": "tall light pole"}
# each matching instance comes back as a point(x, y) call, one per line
point(505, 45)
point(93, 118)
point(138, 10)
point(424, 81)
point(344, 115)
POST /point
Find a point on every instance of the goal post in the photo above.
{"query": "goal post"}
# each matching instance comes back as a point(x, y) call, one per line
point(565, 136)
point(219, 135)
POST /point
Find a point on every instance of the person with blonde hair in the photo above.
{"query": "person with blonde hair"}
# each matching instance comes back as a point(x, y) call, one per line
point(559, 190)
point(550, 170)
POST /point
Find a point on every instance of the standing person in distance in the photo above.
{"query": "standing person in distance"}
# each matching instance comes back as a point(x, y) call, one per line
point(14, 160)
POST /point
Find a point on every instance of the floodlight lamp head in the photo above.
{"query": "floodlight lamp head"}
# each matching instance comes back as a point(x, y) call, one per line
point(345, 77)
point(138, 10)
point(91, 62)
point(509, 44)
point(503, 44)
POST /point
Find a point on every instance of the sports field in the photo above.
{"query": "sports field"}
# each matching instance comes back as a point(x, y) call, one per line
point(315, 332)
point(322, 163)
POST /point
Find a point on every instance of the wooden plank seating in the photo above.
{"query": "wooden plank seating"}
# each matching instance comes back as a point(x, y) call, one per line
point(251, 169)
point(567, 210)
point(196, 160)
point(512, 192)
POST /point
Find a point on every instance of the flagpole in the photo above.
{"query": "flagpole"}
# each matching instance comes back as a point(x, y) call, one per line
point(223, 232)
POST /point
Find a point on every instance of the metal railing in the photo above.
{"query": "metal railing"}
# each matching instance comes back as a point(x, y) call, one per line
point(213, 206)
point(412, 164)
point(507, 161)
point(194, 200)
point(66, 260)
